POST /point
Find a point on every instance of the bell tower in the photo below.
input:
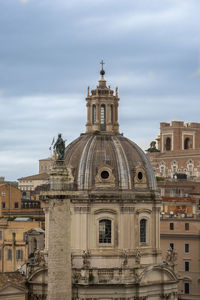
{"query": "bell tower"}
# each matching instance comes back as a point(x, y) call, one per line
point(102, 108)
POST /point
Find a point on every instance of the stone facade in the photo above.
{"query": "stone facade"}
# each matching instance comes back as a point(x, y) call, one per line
point(102, 217)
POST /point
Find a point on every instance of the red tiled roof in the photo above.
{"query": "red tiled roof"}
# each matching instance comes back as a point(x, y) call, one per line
point(188, 200)
point(41, 176)
point(11, 277)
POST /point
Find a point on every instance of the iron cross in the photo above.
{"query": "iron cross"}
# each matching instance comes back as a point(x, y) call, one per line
point(102, 63)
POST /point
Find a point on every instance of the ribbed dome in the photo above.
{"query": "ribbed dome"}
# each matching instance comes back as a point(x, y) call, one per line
point(108, 161)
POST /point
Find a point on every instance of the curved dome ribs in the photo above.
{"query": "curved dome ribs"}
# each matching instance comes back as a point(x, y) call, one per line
point(88, 164)
point(150, 173)
point(91, 154)
point(122, 164)
point(70, 146)
point(81, 167)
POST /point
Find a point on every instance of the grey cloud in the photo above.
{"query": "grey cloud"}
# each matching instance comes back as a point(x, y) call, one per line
point(50, 52)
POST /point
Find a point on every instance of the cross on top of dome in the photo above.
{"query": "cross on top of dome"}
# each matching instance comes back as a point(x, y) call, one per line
point(102, 72)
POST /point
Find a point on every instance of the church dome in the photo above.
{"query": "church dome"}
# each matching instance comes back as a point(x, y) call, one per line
point(102, 158)
point(108, 161)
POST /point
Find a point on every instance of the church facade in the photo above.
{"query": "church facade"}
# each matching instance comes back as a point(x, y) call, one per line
point(102, 218)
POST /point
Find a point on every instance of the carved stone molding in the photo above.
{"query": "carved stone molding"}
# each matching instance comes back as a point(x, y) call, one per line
point(127, 210)
point(82, 209)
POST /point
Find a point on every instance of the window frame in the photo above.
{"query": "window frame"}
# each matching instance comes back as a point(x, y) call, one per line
point(105, 245)
point(108, 227)
point(111, 113)
point(186, 143)
point(94, 113)
point(19, 254)
point(187, 226)
point(186, 266)
point(171, 226)
point(103, 117)
point(143, 235)
point(187, 248)
point(188, 288)
point(9, 254)
point(168, 145)
point(16, 205)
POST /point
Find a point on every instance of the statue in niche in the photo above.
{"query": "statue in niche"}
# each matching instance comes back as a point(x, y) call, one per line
point(125, 258)
point(39, 258)
point(85, 256)
point(59, 146)
point(137, 256)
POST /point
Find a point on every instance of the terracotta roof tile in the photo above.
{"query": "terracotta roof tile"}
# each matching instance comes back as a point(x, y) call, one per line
point(187, 200)
point(41, 176)
point(11, 277)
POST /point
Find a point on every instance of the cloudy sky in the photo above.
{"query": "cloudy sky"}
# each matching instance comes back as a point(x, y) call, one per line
point(50, 52)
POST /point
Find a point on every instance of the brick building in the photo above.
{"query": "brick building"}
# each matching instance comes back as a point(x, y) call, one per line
point(179, 150)
point(182, 234)
point(13, 203)
point(180, 230)
point(10, 199)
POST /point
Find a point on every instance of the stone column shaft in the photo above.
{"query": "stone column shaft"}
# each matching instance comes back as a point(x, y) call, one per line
point(59, 253)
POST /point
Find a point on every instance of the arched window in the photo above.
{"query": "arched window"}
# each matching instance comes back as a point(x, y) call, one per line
point(168, 144)
point(143, 230)
point(111, 113)
point(186, 143)
point(105, 231)
point(103, 117)
point(93, 114)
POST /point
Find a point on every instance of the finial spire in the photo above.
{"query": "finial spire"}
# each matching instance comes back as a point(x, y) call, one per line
point(102, 72)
